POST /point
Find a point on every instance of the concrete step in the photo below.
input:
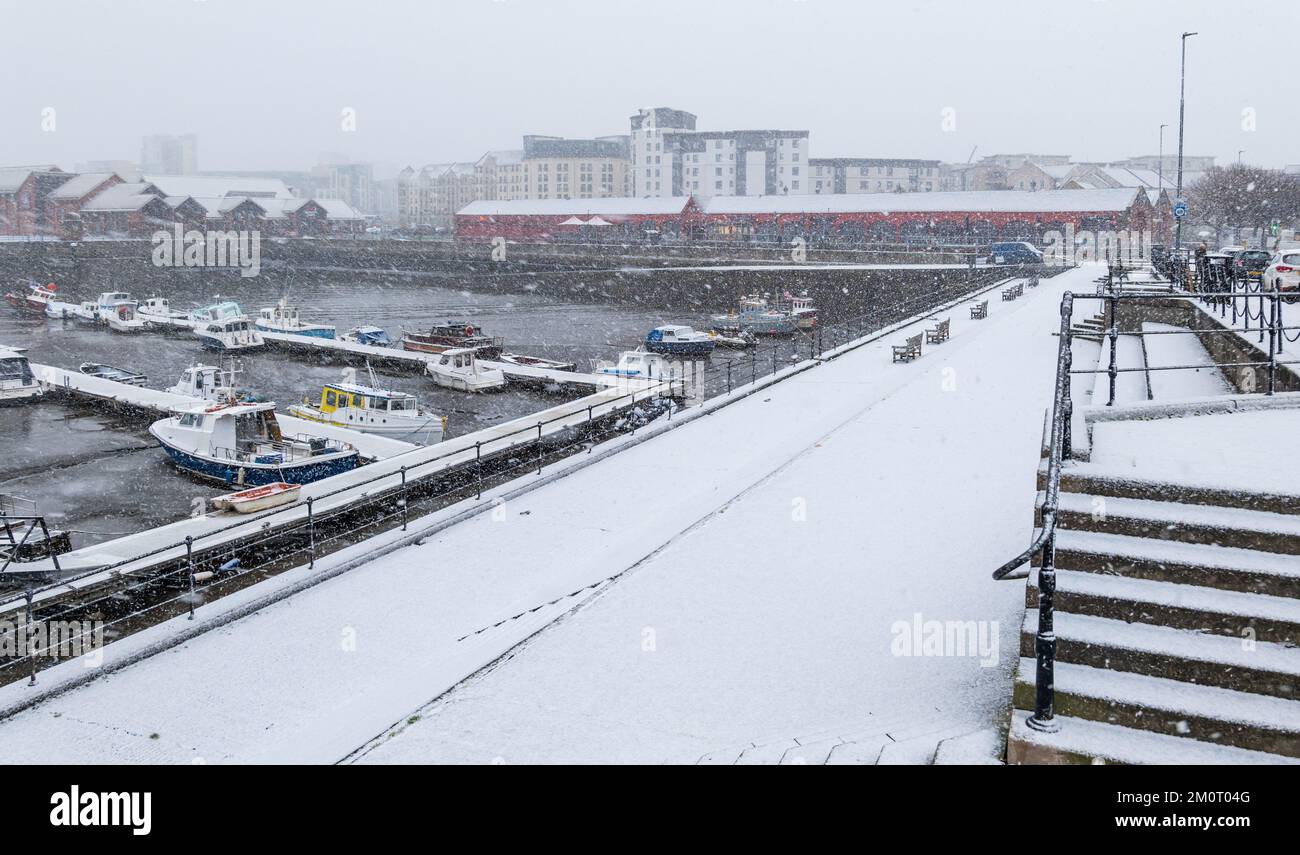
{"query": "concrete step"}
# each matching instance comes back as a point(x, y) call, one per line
point(1207, 610)
point(1080, 741)
point(1260, 667)
point(1205, 713)
point(1225, 567)
point(1205, 524)
point(1097, 480)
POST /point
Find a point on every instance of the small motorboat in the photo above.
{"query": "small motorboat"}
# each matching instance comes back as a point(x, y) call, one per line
point(679, 340)
point(83, 313)
point(757, 317)
point(16, 380)
point(59, 310)
point(108, 372)
point(537, 362)
point(458, 369)
point(637, 363)
point(258, 498)
point(33, 298)
point(736, 340)
point(157, 309)
point(283, 318)
point(369, 409)
point(241, 443)
point(448, 336)
point(803, 311)
point(230, 334)
point(372, 336)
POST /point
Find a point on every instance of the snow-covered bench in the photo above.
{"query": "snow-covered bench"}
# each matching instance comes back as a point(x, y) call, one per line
point(908, 350)
point(979, 311)
point(1009, 294)
point(939, 334)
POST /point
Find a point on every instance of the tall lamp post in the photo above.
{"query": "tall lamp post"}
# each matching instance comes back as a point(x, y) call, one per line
point(1182, 86)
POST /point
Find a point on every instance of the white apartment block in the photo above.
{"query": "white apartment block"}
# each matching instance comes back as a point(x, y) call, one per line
point(670, 158)
point(873, 175)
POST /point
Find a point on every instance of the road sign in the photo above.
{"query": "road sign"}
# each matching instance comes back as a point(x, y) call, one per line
point(1180, 209)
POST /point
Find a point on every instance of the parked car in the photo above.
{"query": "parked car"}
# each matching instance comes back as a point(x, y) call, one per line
point(1283, 274)
point(1250, 263)
point(1232, 249)
point(1015, 252)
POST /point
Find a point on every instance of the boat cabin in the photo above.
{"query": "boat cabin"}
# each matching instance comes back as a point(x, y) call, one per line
point(341, 396)
point(218, 312)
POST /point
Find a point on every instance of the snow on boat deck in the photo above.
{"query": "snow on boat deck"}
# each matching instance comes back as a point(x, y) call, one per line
point(773, 545)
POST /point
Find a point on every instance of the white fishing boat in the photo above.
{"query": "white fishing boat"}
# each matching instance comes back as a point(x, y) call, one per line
point(108, 372)
point(59, 310)
point(82, 313)
point(123, 318)
point(369, 335)
point(242, 444)
point(536, 362)
point(283, 318)
point(636, 363)
point(370, 409)
point(216, 312)
point(159, 310)
point(210, 383)
point(459, 369)
point(16, 380)
point(258, 498)
point(229, 335)
point(802, 310)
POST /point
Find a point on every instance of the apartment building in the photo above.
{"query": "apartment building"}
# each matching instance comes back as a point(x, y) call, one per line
point(873, 175)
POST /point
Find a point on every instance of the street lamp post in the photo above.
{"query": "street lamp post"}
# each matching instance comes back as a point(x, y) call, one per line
point(1160, 162)
point(1182, 87)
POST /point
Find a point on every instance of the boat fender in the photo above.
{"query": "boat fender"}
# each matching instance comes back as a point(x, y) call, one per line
point(229, 566)
point(203, 575)
point(469, 330)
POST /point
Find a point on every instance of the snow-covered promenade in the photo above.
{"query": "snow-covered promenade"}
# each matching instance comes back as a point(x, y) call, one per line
point(770, 549)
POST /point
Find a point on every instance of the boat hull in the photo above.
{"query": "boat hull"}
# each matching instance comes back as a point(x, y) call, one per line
point(18, 394)
point(306, 332)
point(428, 432)
point(259, 474)
point(214, 343)
point(681, 348)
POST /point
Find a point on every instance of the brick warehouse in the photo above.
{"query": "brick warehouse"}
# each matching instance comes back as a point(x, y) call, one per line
point(883, 218)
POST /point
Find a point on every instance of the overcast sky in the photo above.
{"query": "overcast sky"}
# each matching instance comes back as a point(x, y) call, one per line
point(264, 82)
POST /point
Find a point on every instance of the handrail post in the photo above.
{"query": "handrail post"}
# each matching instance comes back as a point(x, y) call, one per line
point(27, 642)
point(539, 448)
point(478, 469)
point(311, 534)
point(1273, 332)
point(189, 564)
point(404, 494)
point(1043, 719)
point(1113, 370)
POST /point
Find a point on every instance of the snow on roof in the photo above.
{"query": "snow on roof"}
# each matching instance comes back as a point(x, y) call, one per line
point(121, 197)
point(80, 185)
point(12, 177)
point(337, 209)
point(505, 156)
point(974, 201)
point(609, 207)
point(219, 186)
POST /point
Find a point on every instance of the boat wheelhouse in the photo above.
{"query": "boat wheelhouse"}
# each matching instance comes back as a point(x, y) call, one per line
point(447, 336)
point(383, 412)
point(216, 312)
point(283, 318)
point(210, 383)
point(459, 369)
point(123, 317)
point(17, 383)
point(229, 335)
point(679, 340)
point(242, 444)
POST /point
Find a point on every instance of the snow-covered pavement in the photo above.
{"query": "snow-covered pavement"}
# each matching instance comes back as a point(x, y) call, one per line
point(773, 546)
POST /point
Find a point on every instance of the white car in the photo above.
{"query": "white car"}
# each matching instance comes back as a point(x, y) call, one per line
point(1283, 273)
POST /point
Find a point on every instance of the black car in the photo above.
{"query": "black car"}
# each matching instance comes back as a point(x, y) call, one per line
point(1249, 262)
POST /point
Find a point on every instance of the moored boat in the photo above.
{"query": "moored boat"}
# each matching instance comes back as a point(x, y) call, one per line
point(536, 362)
point(679, 340)
point(283, 318)
point(369, 409)
point(226, 310)
point(32, 298)
point(459, 369)
point(230, 334)
point(17, 382)
point(210, 383)
point(802, 310)
point(636, 363)
point(448, 336)
point(368, 335)
point(108, 372)
point(123, 318)
point(156, 311)
point(257, 499)
point(241, 443)
point(737, 340)
point(757, 317)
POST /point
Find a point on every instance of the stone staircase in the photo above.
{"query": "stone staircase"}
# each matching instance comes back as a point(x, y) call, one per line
point(910, 740)
point(1178, 626)
point(1090, 329)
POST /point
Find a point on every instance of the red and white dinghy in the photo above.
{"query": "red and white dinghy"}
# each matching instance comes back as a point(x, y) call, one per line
point(258, 498)
point(33, 299)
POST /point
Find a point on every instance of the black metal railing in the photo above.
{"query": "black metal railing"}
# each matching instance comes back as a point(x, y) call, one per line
point(1060, 445)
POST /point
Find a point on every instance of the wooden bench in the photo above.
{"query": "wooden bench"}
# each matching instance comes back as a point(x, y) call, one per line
point(979, 311)
point(909, 350)
point(939, 334)
point(1013, 292)
point(1032, 282)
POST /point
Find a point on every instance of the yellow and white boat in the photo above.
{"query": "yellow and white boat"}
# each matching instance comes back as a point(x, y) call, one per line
point(383, 412)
